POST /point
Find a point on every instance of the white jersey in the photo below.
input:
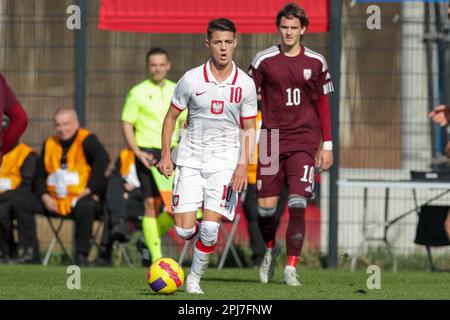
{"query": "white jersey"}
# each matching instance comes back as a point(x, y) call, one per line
point(211, 140)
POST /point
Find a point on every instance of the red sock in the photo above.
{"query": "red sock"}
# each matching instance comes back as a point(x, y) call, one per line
point(292, 261)
point(270, 244)
point(204, 248)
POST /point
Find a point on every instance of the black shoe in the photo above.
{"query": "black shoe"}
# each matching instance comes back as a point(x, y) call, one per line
point(29, 256)
point(146, 258)
point(257, 260)
point(119, 231)
point(103, 257)
point(81, 260)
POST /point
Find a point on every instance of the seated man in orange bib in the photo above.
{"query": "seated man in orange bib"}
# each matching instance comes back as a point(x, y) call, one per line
point(70, 177)
point(17, 202)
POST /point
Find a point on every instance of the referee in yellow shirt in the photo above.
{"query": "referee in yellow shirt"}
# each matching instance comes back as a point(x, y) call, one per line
point(142, 118)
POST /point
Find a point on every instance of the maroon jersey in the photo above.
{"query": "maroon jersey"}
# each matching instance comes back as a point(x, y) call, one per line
point(18, 119)
point(290, 88)
point(7, 97)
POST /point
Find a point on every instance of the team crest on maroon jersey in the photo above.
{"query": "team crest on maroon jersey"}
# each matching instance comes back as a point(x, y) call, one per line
point(175, 200)
point(217, 106)
point(307, 73)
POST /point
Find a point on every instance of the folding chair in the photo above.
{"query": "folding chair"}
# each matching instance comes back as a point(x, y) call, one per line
point(56, 230)
point(431, 231)
point(228, 245)
point(124, 254)
point(96, 234)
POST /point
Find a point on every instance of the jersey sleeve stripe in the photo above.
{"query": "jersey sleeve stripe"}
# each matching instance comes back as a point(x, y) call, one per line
point(327, 88)
point(315, 55)
point(176, 107)
point(248, 118)
point(260, 58)
point(261, 53)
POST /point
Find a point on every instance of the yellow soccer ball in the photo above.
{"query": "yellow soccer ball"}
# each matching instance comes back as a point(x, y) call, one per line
point(165, 276)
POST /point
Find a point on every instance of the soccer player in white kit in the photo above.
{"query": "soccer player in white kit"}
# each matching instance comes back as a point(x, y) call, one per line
point(213, 154)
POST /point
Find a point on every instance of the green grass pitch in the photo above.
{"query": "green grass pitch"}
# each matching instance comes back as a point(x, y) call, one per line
point(38, 282)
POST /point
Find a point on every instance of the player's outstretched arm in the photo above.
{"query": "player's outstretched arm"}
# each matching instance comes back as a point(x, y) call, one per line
point(248, 140)
point(440, 115)
point(165, 165)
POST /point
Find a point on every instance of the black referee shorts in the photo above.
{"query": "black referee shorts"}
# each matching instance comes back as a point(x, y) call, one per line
point(148, 184)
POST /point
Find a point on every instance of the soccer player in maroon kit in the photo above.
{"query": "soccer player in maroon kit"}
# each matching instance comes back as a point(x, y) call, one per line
point(18, 119)
point(294, 83)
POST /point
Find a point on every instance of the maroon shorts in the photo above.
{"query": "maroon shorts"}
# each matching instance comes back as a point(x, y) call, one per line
point(296, 169)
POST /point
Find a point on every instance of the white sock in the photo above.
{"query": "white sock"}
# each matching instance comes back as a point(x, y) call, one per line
point(200, 262)
point(290, 269)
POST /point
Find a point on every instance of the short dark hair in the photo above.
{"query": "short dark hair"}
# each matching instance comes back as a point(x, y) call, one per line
point(220, 24)
point(157, 50)
point(293, 10)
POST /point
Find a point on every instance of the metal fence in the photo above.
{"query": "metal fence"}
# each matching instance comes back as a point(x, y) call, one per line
point(384, 128)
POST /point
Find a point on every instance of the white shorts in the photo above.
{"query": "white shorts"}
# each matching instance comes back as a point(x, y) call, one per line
point(194, 188)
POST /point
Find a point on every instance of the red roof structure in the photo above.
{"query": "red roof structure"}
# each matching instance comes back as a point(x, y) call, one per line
point(191, 16)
